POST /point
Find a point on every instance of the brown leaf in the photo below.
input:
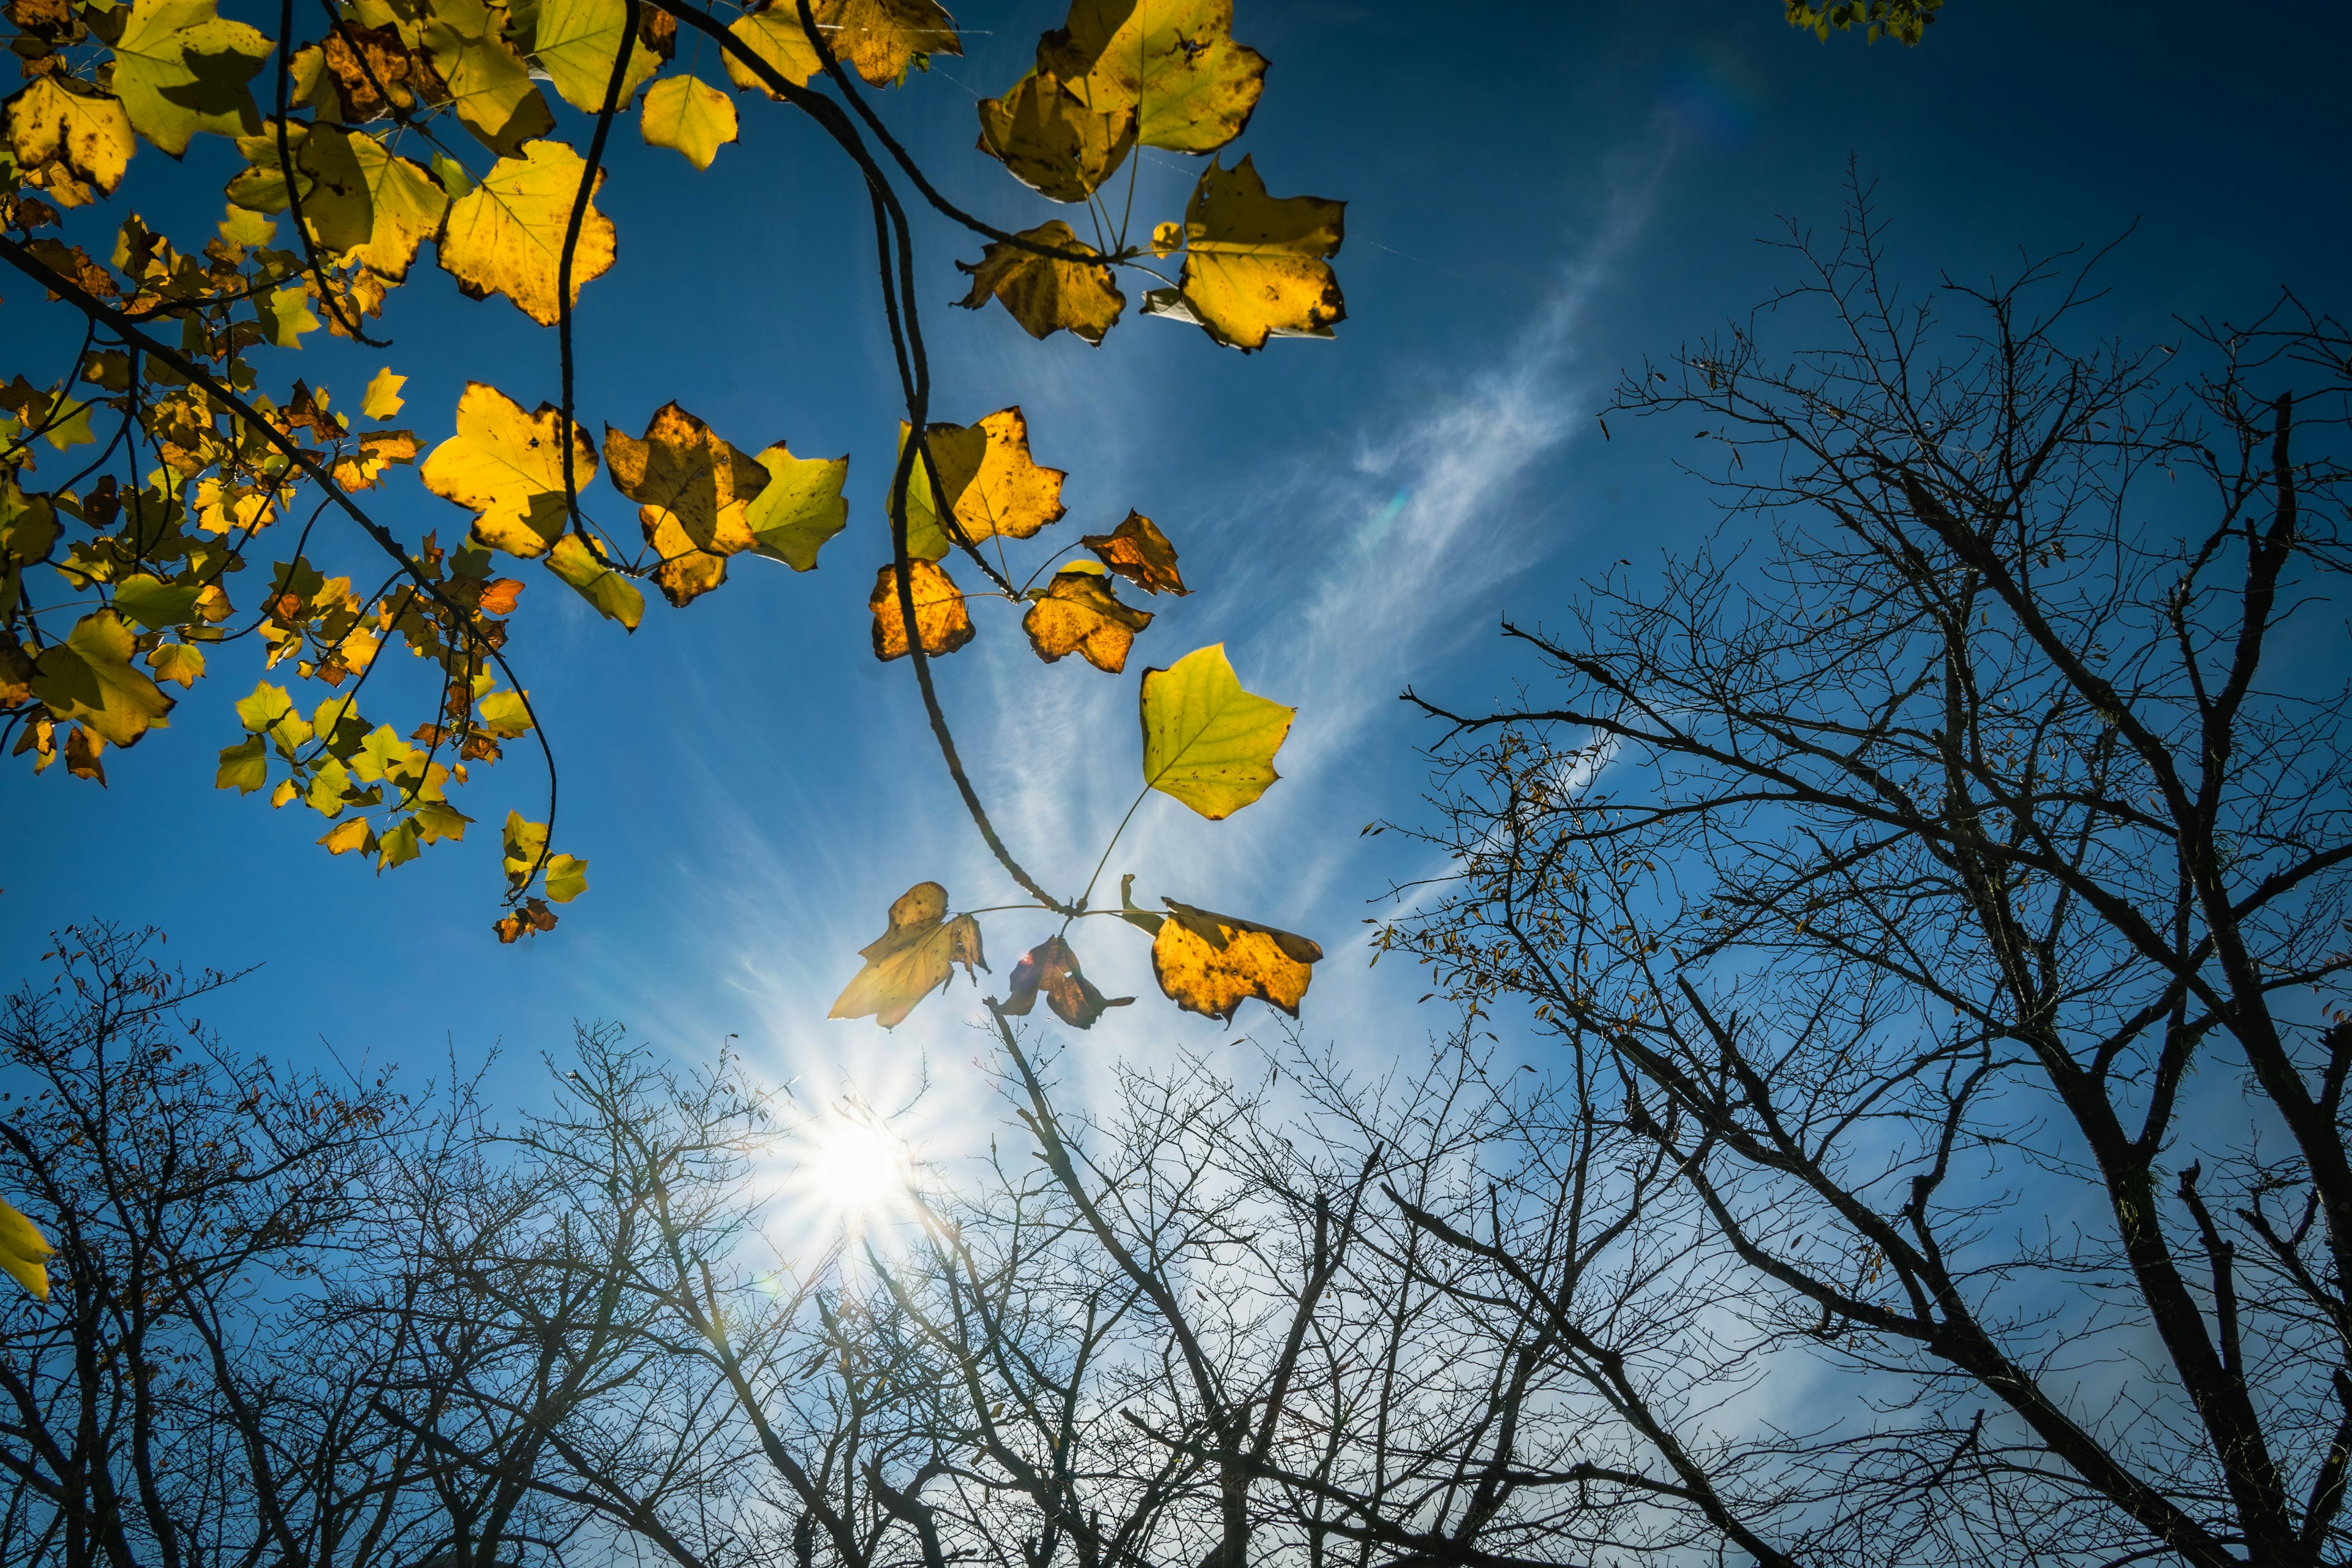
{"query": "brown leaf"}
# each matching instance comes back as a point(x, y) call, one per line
point(1211, 964)
point(73, 264)
point(1043, 295)
point(1078, 614)
point(81, 755)
point(693, 490)
point(1140, 553)
point(1052, 968)
point(941, 617)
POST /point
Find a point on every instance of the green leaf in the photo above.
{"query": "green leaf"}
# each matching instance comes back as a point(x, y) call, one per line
point(156, 604)
point(180, 69)
point(567, 878)
point(615, 597)
point(88, 679)
point(576, 43)
point(244, 767)
point(1205, 740)
point(800, 509)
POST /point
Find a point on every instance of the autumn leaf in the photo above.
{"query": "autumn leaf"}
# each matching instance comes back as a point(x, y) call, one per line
point(155, 603)
point(940, 614)
point(506, 237)
point(880, 38)
point(689, 116)
point(576, 43)
point(1205, 740)
point(405, 205)
point(585, 568)
point(1211, 964)
point(912, 959)
point(336, 206)
point(180, 67)
point(360, 469)
point(489, 87)
point(1078, 614)
point(1253, 264)
point(382, 399)
point(567, 878)
point(693, 490)
point(177, 662)
point(1050, 141)
point(990, 484)
point(284, 314)
point(1172, 62)
point(1051, 967)
point(799, 508)
point(22, 1249)
point(532, 919)
point(1043, 295)
point(88, 679)
point(773, 33)
point(60, 119)
point(503, 464)
point(1140, 553)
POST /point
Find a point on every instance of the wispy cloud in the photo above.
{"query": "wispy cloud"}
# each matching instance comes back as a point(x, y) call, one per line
point(1397, 532)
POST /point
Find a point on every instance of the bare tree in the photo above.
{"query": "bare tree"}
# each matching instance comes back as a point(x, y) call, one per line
point(178, 1400)
point(1953, 882)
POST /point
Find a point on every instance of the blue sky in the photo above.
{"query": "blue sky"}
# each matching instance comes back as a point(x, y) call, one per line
point(1536, 196)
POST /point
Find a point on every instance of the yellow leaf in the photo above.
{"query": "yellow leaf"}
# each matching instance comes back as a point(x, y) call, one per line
point(1043, 295)
point(177, 662)
point(336, 207)
point(284, 314)
point(525, 843)
point(1173, 62)
point(912, 959)
point(576, 45)
point(1052, 141)
point(1210, 963)
point(506, 235)
point(1253, 264)
point(504, 466)
point(615, 597)
point(360, 470)
point(22, 1250)
point(693, 490)
point(1080, 615)
point(88, 679)
point(488, 84)
point(1140, 553)
point(1205, 740)
point(990, 484)
point(180, 69)
point(383, 400)
point(688, 115)
point(1166, 238)
point(940, 614)
point(1052, 968)
point(775, 34)
point(880, 38)
point(505, 714)
point(347, 835)
point(800, 507)
point(405, 204)
point(60, 119)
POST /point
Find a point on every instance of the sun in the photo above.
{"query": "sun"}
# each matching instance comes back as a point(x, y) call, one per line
point(859, 1170)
